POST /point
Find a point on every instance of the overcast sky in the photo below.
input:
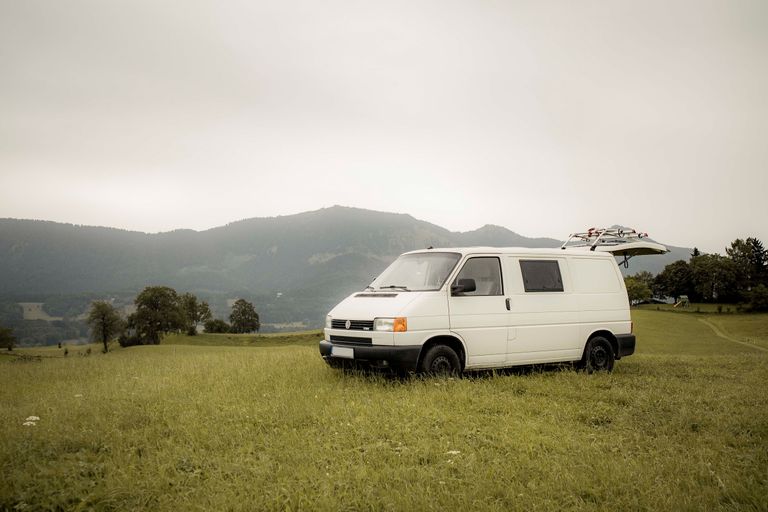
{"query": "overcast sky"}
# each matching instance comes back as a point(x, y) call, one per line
point(543, 117)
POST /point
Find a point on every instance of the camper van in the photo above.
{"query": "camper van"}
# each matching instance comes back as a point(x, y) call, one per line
point(446, 311)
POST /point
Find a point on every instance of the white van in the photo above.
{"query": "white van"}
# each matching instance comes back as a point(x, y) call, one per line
point(451, 310)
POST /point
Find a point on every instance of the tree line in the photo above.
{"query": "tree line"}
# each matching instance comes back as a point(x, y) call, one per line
point(739, 277)
point(161, 310)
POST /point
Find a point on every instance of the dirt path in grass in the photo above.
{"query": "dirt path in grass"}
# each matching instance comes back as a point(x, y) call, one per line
point(718, 332)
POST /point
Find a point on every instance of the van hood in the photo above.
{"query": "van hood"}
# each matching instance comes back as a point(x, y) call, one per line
point(370, 305)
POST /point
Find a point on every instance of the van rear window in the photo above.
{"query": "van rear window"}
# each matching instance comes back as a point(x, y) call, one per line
point(541, 276)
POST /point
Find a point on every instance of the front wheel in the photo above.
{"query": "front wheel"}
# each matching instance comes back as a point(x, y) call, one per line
point(598, 356)
point(441, 360)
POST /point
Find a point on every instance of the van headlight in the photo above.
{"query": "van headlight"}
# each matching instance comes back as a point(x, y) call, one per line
point(328, 321)
point(397, 324)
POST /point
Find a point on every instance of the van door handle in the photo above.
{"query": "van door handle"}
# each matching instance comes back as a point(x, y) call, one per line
point(509, 304)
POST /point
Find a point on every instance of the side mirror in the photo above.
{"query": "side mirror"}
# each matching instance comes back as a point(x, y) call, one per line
point(463, 286)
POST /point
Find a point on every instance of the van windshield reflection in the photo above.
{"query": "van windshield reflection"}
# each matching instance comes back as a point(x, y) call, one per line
point(417, 272)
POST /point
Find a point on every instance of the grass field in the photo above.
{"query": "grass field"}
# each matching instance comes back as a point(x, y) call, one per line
point(262, 424)
point(748, 328)
point(246, 340)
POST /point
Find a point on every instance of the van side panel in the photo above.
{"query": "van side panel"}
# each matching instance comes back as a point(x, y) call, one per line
point(543, 326)
point(603, 303)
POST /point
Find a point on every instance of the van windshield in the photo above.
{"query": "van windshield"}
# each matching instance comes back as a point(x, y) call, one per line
point(417, 272)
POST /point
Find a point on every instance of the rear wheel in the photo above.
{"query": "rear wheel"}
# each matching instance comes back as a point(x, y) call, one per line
point(441, 360)
point(598, 356)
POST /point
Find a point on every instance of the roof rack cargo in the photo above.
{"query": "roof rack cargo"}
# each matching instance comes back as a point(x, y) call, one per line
point(621, 242)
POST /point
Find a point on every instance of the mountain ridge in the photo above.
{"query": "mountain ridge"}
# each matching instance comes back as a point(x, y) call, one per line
point(258, 219)
point(313, 258)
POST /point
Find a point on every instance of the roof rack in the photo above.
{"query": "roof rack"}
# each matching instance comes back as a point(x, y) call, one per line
point(621, 242)
point(595, 237)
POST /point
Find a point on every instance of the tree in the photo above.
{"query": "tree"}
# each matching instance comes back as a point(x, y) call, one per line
point(675, 280)
point(244, 317)
point(751, 261)
point(158, 311)
point(696, 253)
point(7, 339)
point(216, 325)
point(195, 312)
point(637, 289)
point(645, 278)
point(105, 322)
point(759, 262)
point(758, 298)
point(715, 278)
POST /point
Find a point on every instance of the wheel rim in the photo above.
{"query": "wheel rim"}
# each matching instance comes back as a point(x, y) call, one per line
point(599, 357)
point(442, 364)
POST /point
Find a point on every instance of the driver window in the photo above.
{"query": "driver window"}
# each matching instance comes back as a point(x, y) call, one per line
point(487, 275)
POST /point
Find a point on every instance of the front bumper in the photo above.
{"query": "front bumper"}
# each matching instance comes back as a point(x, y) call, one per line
point(626, 345)
point(403, 358)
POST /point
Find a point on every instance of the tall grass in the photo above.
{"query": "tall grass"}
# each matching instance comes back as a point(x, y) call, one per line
point(682, 425)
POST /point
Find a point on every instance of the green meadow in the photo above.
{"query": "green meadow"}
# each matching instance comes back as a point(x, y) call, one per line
point(226, 422)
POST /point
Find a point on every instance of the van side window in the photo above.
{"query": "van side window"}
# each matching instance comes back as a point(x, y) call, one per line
point(541, 276)
point(487, 275)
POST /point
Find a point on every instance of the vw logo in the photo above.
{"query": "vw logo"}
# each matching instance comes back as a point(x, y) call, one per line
point(348, 324)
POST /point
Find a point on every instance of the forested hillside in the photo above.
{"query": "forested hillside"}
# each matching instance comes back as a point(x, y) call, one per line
point(312, 259)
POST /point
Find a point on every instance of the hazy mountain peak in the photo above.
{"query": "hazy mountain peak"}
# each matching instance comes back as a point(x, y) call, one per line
point(490, 228)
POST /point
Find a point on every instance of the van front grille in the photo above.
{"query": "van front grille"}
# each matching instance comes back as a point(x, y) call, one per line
point(354, 325)
point(350, 339)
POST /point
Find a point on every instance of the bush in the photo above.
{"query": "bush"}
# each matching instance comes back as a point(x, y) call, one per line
point(7, 339)
point(758, 298)
point(126, 340)
point(216, 326)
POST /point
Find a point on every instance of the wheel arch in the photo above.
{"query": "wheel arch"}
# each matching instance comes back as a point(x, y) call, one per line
point(444, 339)
point(607, 335)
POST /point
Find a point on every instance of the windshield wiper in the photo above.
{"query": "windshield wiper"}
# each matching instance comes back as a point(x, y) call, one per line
point(395, 287)
point(369, 287)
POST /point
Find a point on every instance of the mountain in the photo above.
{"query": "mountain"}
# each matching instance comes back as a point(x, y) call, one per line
point(310, 259)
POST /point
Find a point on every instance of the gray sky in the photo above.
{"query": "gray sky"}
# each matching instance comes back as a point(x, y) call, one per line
point(544, 117)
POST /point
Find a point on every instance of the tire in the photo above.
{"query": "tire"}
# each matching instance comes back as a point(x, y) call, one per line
point(441, 360)
point(598, 355)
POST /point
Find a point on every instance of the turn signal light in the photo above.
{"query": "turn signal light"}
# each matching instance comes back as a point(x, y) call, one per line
point(401, 324)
